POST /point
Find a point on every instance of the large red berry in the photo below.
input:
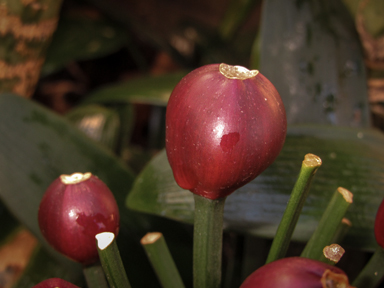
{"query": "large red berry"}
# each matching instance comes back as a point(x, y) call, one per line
point(224, 126)
point(73, 210)
point(55, 283)
point(297, 272)
point(379, 225)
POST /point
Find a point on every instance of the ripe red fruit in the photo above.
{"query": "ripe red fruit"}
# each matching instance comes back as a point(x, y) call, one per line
point(379, 225)
point(297, 272)
point(55, 283)
point(224, 126)
point(73, 210)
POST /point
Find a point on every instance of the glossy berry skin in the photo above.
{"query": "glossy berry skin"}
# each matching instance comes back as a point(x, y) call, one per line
point(222, 132)
point(297, 272)
point(55, 283)
point(72, 213)
point(379, 225)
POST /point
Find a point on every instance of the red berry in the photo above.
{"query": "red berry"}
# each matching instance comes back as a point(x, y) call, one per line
point(224, 126)
point(379, 225)
point(73, 210)
point(55, 283)
point(297, 272)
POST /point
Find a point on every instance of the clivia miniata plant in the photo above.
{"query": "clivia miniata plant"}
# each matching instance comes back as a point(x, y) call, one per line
point(224, 126)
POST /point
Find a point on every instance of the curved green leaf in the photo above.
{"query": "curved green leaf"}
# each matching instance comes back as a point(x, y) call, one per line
point(352, 158)
point(235, 15)
point(82, 38)
point(148, 90)
point(37, 146)
point(311, 52)
point(97, 122)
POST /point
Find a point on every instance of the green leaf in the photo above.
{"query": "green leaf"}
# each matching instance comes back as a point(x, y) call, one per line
point(82, 38)
point(312, 54)
point(38, 146)
point(98, 123)
point(148, 90)
point(235, 15)
point(352, 158)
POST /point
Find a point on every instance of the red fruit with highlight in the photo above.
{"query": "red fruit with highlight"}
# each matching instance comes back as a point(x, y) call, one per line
point(55, 283)
point(297, 272)
point(224, 126)
point(73, 210)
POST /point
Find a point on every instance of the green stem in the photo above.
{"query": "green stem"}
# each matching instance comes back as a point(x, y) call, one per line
point(373, 273)
point(111, 261)
point(341, 231)
point(296, 202)
point(328, 225)
point(207, 242)
point(94, 276)
point(161, 259)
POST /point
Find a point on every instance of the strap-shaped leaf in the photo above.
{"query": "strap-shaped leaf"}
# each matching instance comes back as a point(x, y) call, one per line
point(98, 123)
point(36, 147)
point(311, 52)
point(148, 90)
point(82, 38)
point(351, 158)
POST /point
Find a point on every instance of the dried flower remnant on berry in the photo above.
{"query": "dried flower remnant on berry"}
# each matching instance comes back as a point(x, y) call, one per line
point(237, 72)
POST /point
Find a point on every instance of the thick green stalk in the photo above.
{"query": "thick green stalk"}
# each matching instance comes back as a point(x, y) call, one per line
point(94, 276)
point(341, 231)
point(373, 273)
point(110, 260)
point(161, 259)
point(207, 242)
point(328, 225)
point(296, 202)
